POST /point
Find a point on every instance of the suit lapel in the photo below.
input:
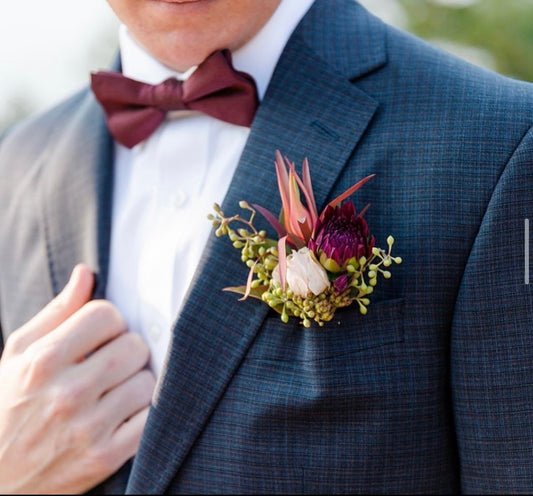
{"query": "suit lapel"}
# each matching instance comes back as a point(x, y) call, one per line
point(77, 196)
point(310, 110)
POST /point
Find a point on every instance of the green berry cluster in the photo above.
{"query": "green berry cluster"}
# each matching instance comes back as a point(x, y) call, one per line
point(260, 254)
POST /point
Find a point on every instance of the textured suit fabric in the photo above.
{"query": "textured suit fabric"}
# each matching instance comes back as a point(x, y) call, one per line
point(432, 390)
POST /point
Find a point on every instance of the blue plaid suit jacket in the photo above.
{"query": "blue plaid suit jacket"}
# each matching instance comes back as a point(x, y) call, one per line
point(432, 390)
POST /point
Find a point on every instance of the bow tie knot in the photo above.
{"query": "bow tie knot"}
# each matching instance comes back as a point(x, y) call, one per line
point(135, 109)
point(168, 95)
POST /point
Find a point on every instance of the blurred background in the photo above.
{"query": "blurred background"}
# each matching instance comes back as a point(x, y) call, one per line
point(48, 48)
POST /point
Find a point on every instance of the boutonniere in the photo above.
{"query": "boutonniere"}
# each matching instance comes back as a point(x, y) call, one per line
point(319, 261)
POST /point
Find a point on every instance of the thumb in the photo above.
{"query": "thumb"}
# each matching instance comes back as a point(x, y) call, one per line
point(74, 295)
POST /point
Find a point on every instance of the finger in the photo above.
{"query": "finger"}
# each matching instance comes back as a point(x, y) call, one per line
point(91, 327)
point(115, 362)
point(123, 443)
point(126, 439)
point(124, 401)
point(74, 295)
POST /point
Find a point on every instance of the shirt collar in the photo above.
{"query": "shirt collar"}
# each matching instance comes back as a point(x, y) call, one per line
point(258, 57)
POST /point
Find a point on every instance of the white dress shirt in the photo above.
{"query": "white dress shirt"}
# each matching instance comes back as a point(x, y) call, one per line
point(165, 187)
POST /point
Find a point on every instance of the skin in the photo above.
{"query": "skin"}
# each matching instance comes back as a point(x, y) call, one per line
point(74, 388)
point(74, 395)
point(182, 33)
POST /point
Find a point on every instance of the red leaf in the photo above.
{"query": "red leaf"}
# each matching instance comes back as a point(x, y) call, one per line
point(350, 191)
point(280, 229)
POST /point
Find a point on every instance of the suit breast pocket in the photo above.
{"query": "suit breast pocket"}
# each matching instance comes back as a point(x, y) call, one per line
point(349, 332)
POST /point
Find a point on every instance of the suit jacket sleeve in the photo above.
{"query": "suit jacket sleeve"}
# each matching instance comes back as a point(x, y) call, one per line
point(492, 342)
point(2, 134)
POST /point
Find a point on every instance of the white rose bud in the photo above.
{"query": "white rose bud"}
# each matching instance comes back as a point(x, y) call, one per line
point(304, 273)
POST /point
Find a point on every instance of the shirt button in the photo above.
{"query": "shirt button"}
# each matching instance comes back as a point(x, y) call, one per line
point(179, 199)
point(154, 332)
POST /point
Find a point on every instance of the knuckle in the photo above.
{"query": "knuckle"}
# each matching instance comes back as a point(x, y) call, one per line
point(71, 398)
point(14, 344)
point(63, 404)
point(81, 434)
point(99, 309)
point(133, 352)
point(112, 364)
point(104, 311)
point(42, 362)
point(136, 345)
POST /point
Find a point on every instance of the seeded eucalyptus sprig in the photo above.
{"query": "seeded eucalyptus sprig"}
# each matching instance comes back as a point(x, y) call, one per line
point(318, 263)
point(258, 252)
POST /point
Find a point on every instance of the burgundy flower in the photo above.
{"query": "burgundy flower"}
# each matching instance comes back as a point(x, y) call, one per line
point(341, 237)
point(341, 282)
point(319, 262)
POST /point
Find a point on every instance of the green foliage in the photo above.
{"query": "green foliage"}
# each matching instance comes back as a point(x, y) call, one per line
point(504, 28)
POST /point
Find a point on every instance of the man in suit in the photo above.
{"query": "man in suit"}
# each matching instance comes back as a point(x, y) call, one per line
point(430, 392)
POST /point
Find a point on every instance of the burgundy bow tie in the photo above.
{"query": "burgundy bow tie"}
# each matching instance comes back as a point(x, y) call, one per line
point(134, 109)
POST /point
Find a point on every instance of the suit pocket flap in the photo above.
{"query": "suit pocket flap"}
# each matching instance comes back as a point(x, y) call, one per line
point(348, 332)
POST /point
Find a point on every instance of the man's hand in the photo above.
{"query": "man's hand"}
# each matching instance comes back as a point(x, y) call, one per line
point(74, 394)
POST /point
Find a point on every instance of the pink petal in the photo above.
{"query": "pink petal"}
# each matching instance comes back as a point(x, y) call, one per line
point(249, 282)
point(298, 214)
point(308, 193)
point(308, 189)
point(282, 261)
